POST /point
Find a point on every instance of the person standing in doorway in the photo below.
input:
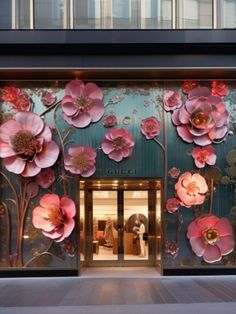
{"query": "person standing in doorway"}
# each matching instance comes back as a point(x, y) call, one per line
point(141, 241)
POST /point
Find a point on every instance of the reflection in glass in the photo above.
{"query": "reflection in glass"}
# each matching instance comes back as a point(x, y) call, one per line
point(155, 14)
point(5, 14)
point(24, 14)
point(135, 225)
point(105, 234)
point(227, 13)
point(158, 227)
point(194, 14)
point(48, 14)
point(82, 225)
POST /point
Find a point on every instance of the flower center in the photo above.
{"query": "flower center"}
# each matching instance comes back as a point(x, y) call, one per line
point(82, 102)
point(80, 162)
point(119, 143)
point(203, 156)
point(210, 235)
point(56, 216)
point(199, 119)
point(192, 188)
point(25, 144)
point(150, 127)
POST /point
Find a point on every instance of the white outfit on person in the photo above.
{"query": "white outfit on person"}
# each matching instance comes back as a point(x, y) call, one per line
point(142, 242)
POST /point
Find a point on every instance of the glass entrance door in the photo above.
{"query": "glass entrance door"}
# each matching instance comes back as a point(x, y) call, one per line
point(120, 225)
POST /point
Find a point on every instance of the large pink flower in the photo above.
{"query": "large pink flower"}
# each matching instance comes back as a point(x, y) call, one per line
point(211, 237)
point(204, 155)
point(191, 189)
point(26, 144)
point(150, 127)
point(80, 160)
point(82, 104)
point(172, 100)
point(55, 216)
point(202, 119)
point(118, 144)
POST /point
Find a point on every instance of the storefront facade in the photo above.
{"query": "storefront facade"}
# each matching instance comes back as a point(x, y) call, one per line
point(104, 131)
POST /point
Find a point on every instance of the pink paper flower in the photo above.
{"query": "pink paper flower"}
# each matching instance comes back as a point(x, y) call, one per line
point(45, 178)
point(188, 86)
point(174, 172)
point(172, 205)
point(202, 119)
point(211, 237)
point(109, 121)
point(204, 155)
point(48, 98)
point(191, 189)
point(118, 144)
point(26, 144)
point(172, 100)
point(55, 216)
point(150, 127)
point(219, 89)
point(81, 160)
point(82, 103)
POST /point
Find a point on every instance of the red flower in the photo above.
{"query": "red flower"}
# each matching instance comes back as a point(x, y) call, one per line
point(174, 172)
point(171, 248)
point(211, 237)
point(204, 155)
point(109, 121)
point(10, 93)
point(55, 216)
point(150, 127)
point(219, 89)
point(172, 205)
point(188, 86)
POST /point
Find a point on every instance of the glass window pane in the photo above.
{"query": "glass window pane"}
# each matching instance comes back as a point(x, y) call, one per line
point(156, 14)
point(23, 13)
point(87, 14)
point(105, 232)
point(227, 13)
point(48, 14)
point(5, 14)
point(136, 223)
point(82, 227)
point(194, 14)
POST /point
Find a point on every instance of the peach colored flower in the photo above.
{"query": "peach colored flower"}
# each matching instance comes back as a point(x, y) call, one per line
point(82, 103)
point(81, 160)
point(55, 216)
point(211, 237)
point(188, 86)
point(109, 121)
point(219, 89)
point(174, 172)
point(26, 144)
point(45, 178)
point(118, 144)
point(172, 100)
point(172, 205)
point(203, 118)
point(204, 155)
point(191, 189)
point(150, 127)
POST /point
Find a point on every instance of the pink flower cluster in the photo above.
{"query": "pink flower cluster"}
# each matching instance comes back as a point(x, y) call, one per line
point(211, 237)
point(55, 216)
point(204, 155)
point(26, 144)
point(82, 103)
point(16, 98)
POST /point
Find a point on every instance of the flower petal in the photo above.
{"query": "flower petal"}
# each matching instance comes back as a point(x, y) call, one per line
point(212, 254)
point(9, 129)
point(74, 88)
point(6, 150)
point(49, 199)
point(194, 230)
point(46, 134)
point(107, 146)
point(97, 110)
point(30, 121)
point(69, 206)
point(198, 245)
point(41, 223)
point(14, 164)
point(68, 106)
point(226, 244)
point(68, 227)
point(31, 169)
point(81, 121)
point(224, 227)
point(93, 91)
point(48, 156)
point(207, 222)
point(184, 133)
